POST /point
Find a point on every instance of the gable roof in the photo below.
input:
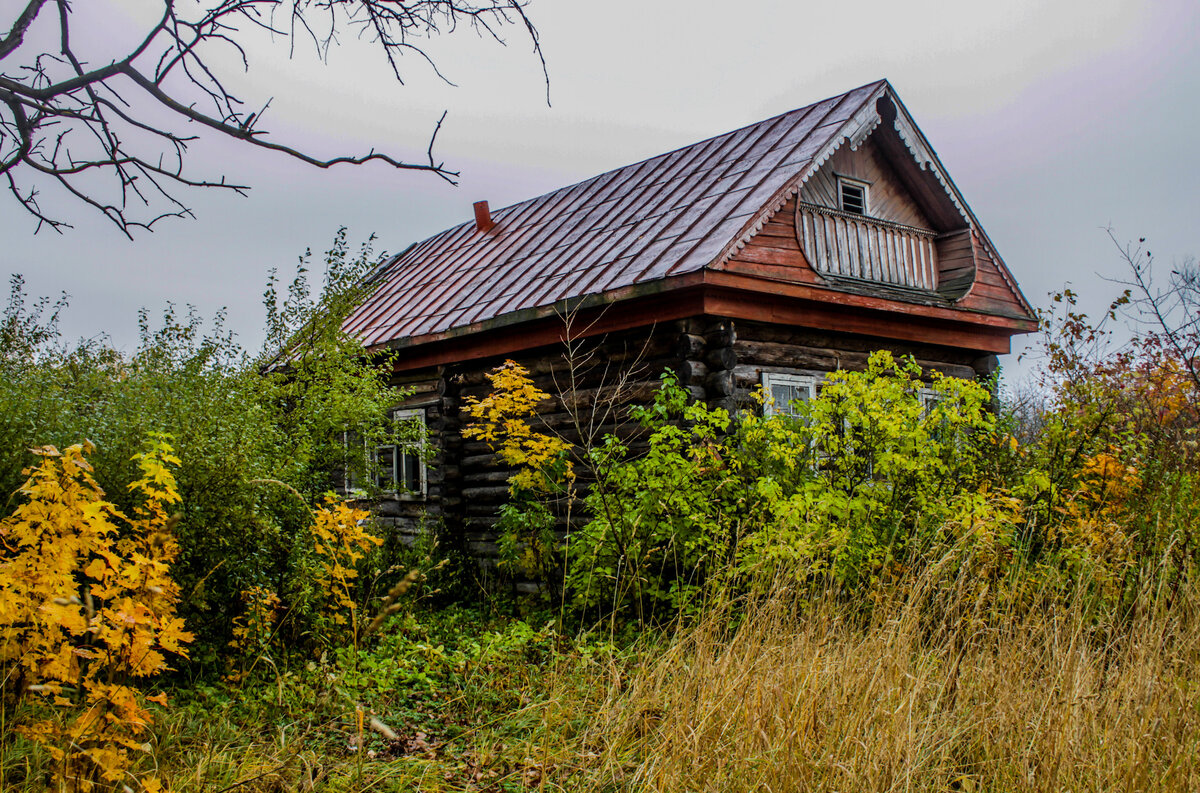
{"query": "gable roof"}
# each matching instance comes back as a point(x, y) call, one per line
point(680, 212)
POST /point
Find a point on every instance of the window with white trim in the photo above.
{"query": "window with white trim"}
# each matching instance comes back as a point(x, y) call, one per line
point(400, 467)
point(397, 469)
point(852, 196)
point(929, 400)
point(783, 391)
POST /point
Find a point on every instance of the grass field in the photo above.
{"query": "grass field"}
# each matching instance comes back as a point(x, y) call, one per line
point(929, 689)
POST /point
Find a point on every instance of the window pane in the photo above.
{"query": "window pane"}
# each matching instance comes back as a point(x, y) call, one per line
point(385, 457)
point(783, 394)
point(411, 465)
point(854, 198)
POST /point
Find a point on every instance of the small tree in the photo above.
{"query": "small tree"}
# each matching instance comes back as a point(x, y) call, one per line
point(541, 463)
point(87, 607)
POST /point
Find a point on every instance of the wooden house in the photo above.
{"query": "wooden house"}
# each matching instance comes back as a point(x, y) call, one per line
point(769, 256)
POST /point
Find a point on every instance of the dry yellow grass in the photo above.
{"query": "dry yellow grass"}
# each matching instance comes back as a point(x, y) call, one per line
point(926, 695)
point(939, 689)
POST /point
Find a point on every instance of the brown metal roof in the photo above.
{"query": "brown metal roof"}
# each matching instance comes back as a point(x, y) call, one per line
point(671, 214)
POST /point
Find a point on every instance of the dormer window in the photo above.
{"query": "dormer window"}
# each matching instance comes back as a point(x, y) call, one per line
point(852, 196)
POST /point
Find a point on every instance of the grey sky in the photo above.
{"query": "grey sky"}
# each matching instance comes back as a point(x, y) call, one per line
point(1054, 118)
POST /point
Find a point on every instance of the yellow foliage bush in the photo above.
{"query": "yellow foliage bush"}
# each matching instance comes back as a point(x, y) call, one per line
point(501, 419)
point(341, 540)
point(1096, 516)
point(542, 462)
point(87, 605)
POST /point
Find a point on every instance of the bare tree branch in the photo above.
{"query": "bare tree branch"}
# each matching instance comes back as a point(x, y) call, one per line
point(1168, 316)
point(17, 34)
point(94, 131)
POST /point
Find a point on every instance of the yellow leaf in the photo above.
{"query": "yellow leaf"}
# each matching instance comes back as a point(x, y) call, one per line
point(96, 569)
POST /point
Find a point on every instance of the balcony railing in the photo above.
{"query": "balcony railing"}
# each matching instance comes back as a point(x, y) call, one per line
point(855, 246)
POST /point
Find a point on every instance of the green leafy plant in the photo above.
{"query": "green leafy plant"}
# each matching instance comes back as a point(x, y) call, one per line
point(853, 484)
point(245, 428)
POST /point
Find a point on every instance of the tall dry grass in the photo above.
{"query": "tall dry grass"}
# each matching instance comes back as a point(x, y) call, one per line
point(939, 689)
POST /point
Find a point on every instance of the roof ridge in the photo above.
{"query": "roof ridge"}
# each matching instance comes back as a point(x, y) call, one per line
point(700, 142)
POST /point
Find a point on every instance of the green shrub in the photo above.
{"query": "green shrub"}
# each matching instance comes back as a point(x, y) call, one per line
point(880, 472)
point(252, 431)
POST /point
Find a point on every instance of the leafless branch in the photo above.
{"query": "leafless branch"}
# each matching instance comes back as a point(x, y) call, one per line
point(1168, 314)
point(95, 132)
point(17, 34)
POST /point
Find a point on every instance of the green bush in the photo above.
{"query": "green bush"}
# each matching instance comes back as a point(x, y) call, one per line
point(252, 431)
point(881, 473)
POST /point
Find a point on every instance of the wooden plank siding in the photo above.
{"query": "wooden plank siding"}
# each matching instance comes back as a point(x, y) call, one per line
point(888, 199)
point(775, 251)
point(991, 292)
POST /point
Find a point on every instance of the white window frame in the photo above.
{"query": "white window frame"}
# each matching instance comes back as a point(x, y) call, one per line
point(866, 193)
point(771, 379)
point(401, 454)
point(929, 399)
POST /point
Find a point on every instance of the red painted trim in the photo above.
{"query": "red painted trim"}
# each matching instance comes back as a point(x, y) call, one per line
point(847, 319)
point(823, 294)
point(721, 294)
point(543, 331)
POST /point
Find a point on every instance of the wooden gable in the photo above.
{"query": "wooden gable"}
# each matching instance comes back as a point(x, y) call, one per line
point(915, 240)
point(888, 197)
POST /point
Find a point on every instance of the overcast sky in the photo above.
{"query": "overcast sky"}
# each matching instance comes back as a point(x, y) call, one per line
point(1055, 118)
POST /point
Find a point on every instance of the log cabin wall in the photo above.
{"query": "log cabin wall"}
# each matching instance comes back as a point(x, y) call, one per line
point(407, 518)
point(590, 393)
point(768, 348)
point(718, 360)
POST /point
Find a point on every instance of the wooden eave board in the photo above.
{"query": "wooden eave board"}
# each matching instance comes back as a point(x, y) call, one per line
point(722, 294)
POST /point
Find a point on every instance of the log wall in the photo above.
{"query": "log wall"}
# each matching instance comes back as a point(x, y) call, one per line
point(718, 360)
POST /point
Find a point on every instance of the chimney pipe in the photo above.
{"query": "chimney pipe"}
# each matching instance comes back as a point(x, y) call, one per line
point(483, 216)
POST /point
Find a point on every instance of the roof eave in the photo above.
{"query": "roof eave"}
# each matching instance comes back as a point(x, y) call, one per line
point(707, 284)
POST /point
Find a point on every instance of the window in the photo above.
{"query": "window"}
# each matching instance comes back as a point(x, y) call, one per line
point(929, 400)
point(782, 390)
point(400, 468)
point(852, 196)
